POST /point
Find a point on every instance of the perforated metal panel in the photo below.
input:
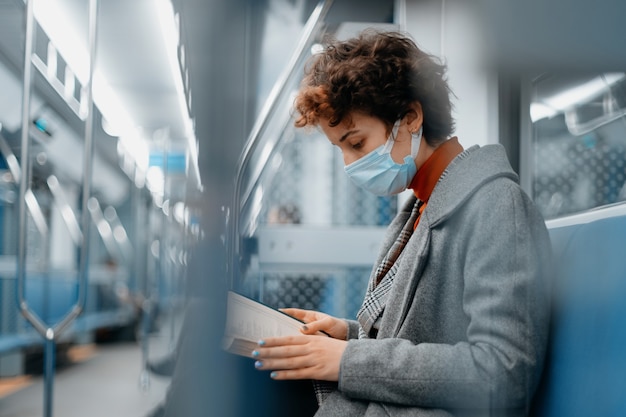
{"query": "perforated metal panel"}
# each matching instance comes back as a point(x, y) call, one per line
point(339, 292)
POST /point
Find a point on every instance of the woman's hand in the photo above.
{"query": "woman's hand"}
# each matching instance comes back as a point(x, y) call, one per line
point(319, 322)
point(300, 357)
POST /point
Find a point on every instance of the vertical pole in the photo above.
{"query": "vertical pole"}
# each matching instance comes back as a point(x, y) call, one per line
point(163, 276)
point(49, 358)
point(146, 308)
point(87, 160)
point(24, 160)
point(83, 266)
point(144, 376)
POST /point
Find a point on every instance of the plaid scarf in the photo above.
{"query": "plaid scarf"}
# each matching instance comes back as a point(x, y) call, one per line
point(377, 292)
point(381, 284)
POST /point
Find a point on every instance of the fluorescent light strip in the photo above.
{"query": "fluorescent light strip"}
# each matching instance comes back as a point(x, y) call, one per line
point(579, 94)
point(66, 38)
point(58, 26)
point(564, 100)
point(169, 24)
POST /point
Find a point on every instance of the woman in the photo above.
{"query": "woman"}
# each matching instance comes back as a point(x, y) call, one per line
point(454, 320)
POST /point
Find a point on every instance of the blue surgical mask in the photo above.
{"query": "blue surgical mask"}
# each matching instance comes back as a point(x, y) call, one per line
point(381, 175)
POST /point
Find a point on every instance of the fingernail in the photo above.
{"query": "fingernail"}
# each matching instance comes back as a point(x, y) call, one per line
point(273, 375)
point(261, 342)
point(255, 353)
point(258, 364)
point(305, 327)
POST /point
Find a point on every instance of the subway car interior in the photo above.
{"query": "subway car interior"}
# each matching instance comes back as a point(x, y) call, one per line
point(150, 163)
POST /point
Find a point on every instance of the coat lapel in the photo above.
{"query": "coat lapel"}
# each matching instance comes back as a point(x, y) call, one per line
point(393, 230)
point(407, 278)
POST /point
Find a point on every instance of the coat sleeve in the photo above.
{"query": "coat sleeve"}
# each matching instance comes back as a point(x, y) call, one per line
point(503, 263)
point(353, 329)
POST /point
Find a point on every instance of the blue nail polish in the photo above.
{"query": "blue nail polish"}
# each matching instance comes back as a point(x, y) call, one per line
point(258, 364)
point(255, 353)
point(261, 342)
point(273, 375)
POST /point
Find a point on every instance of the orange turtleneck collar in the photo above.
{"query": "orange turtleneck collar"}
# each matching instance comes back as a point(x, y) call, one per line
point(429, 173)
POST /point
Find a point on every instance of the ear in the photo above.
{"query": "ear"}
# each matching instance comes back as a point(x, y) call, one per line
point(414, 117)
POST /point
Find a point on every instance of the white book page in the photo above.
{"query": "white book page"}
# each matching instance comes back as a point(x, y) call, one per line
point(248, 321)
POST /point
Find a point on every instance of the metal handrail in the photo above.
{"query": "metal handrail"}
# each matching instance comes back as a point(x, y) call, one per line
point(51, 333)
point(283, 124)
point(24, 180)
point(310, 30)
point(11, 159)
point(67, 213)
point(31, 201)
point(87, 176)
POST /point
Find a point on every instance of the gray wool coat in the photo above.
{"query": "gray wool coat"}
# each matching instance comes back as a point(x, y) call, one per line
point(465, 327)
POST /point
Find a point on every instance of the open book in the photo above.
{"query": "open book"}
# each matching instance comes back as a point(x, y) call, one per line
point(248, 321)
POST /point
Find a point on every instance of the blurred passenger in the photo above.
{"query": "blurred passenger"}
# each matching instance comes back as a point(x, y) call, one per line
point(455, 317)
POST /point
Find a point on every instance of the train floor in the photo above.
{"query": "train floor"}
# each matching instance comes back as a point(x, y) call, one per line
point(102, 380)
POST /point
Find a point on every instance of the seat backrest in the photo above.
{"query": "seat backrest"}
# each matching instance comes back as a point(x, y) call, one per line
point(585, 372)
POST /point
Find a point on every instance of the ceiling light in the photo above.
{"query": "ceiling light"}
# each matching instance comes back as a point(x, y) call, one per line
point(169, 22)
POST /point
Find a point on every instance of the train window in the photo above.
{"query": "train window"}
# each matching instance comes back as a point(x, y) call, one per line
point(304, 189)
point(578, 156)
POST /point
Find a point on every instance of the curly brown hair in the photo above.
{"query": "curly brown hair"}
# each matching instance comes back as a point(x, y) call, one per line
point(380, 74)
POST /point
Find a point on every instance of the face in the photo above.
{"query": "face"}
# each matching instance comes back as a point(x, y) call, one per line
point(364, 134)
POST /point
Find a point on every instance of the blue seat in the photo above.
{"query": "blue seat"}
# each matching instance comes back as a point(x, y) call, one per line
point(51, 299)
point(585, 372)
